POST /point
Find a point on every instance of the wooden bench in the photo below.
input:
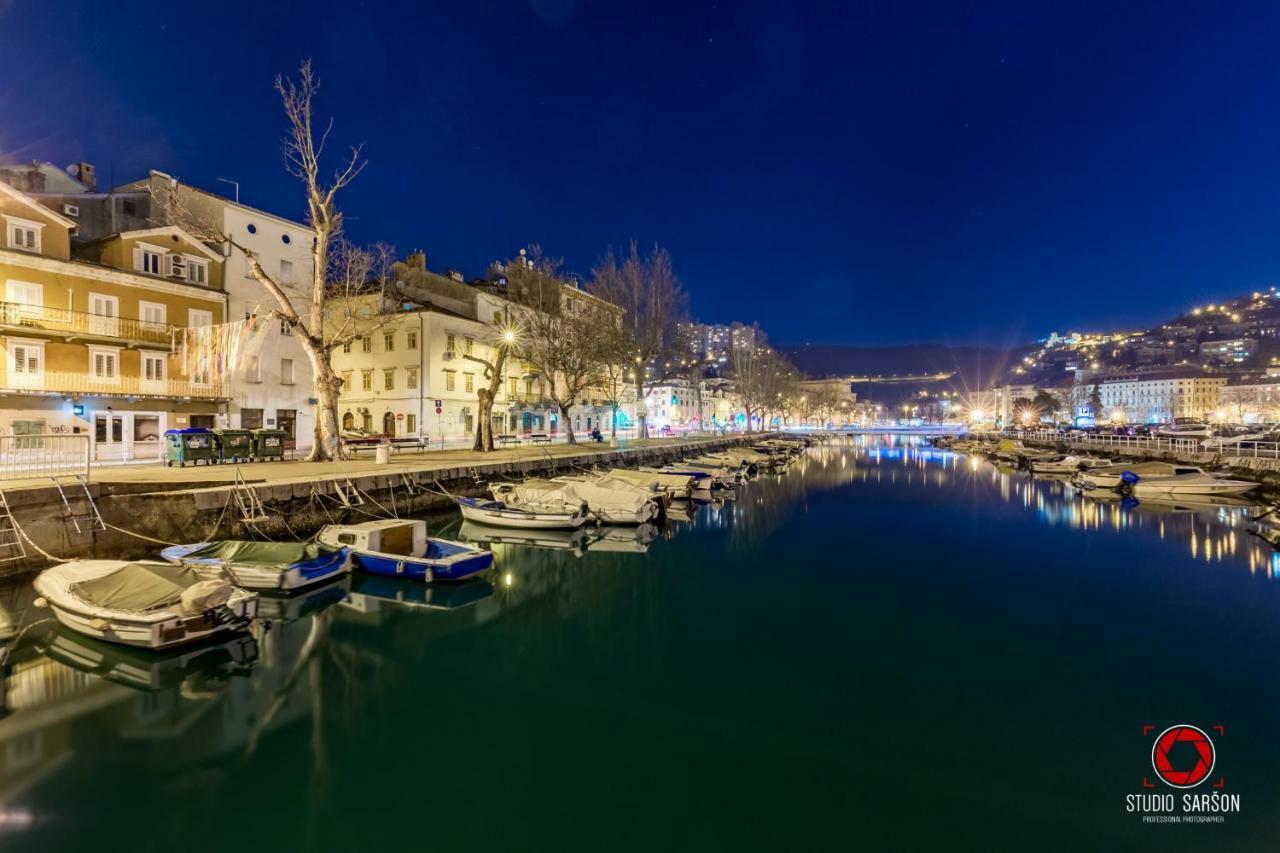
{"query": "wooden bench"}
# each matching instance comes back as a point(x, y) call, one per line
point(505, 440)
point(400, 445)
point(539, 438)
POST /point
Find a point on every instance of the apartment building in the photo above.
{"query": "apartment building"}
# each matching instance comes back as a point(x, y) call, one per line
point(1157, 397)
point(87, 330)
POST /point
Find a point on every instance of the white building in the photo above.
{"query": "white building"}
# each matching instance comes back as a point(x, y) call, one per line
point(1157, 397)
point(276, 388)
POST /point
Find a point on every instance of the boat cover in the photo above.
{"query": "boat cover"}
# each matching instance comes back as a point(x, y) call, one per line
point(137, 587)
point(270, 555)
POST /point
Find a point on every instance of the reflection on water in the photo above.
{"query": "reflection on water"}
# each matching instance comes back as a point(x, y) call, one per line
point(333, 684)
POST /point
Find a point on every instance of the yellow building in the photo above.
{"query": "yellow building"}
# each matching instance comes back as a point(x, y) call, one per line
point(86, 330)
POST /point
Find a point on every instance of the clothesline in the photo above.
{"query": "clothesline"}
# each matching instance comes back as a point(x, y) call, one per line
point(216, 352)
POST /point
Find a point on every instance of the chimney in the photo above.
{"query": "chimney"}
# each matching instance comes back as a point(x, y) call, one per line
point(417, 260)
point(83, 172)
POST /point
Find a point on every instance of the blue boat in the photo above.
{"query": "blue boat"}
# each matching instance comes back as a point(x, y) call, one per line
point(402, 548)
point(265, 566)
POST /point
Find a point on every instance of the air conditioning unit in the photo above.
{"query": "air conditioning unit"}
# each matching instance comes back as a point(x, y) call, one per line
point(175, 266)
point(448, 355)
point(71, 210)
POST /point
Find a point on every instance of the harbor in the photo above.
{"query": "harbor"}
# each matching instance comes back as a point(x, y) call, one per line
point(558, 669)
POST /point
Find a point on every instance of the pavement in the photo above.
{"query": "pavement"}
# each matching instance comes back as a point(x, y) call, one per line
point(196, 476)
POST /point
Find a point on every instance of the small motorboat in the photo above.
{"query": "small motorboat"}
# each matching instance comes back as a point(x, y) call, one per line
point(1068, 464)
point(402, 548)
point(1189, 483)
point(612, 501)
point(498, 514)
point(266, 566)
point(145, 603)
point(679, 487)
point(1109, 476)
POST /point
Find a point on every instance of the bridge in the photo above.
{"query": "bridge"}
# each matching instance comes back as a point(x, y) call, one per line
point(906, 377)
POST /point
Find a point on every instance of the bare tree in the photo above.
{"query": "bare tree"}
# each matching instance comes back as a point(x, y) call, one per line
point(648, 291)
point(560, 330)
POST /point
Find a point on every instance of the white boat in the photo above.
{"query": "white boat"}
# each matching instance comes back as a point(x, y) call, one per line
point(1068, 464)
point(401, 548)
point(149, 604)
point(499, 514)
point(677, 486)
point(1109, 476)
point(610, 500)
point(1190, 483)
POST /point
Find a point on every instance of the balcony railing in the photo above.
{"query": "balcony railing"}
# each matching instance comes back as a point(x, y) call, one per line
point(62, 321)
point(120, 386)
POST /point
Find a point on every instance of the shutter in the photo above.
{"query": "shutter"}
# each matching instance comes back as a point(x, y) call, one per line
point(19, 359)
point(137, 258)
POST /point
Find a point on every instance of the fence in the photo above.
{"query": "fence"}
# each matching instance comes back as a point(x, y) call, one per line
point(43, 455)
point(1224, 447)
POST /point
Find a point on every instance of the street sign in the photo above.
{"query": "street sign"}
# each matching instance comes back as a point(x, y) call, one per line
point(439, 410)
point(400, 416)
point(439, 403)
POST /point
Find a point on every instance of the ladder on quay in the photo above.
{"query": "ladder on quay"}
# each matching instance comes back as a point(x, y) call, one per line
point(11, 547)
point(87, 520)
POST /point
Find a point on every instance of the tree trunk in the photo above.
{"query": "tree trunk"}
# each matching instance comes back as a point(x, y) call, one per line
point(328, 442)
point(568, 423)
point(484, 428)
point(642, 414)
point(613, 426)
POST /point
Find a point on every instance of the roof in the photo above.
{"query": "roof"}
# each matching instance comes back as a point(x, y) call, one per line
point(25, 199)
point(155, 173)
point(163, 231)
point(1156, 376)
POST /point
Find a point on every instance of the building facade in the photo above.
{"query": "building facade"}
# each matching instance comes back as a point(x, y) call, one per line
point(1157, 397)
point(88, 330)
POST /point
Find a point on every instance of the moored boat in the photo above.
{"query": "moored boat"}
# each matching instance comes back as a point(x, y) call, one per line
point(498, 514)
point(1189, 483)
point(144, 603)
point(402, 548)
point(264, 566)
point(1110, 476)
point(611, 500)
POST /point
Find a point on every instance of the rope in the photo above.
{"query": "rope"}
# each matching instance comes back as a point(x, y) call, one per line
point(33, 544)
point(138, 535)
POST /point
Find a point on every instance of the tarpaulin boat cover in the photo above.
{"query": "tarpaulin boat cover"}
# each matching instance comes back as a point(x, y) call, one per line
point(137, 587)
point(270, 555)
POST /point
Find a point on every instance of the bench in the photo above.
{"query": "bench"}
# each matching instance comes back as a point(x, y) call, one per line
point(400, 445)
point(506, 440)
point(539, 438)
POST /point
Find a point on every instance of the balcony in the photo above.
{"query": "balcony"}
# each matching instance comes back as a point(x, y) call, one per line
point(70, 325)
point(85, 384)
point(530, 399)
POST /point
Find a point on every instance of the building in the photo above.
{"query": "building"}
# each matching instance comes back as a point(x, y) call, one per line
point(277, 389)
point(827, 401)
point(1005, 398)
point(87, 329)
point(714, 342)
point(1232, 351)
point(1156, 397)
point(1251, 400)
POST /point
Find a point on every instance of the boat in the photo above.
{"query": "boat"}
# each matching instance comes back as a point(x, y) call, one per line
point(148, 604)
point(677, 486)
point(402, 548)
point(1068, 464)
point(498, 514)
point(575, 540)
point(264, 566)
point(611, 500)
point(703, 481)
point(1187, 483)
point(1185, 428)
point(1109, 476)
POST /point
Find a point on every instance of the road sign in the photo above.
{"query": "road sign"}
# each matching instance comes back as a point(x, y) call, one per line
point(439, 403)
point(400, 416)
point(439, 411)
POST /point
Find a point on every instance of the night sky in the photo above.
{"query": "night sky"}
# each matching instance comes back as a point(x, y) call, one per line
point(856, 173)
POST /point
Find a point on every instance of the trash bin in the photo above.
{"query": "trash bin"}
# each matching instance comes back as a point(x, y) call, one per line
point(384, 454)
point(189, 445)
point(268, 443)
point(234, 445)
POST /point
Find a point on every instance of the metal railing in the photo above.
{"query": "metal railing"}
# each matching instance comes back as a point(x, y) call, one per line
point(43, 455)
point(118, 386)
point(65, 322)
point(1224, 447)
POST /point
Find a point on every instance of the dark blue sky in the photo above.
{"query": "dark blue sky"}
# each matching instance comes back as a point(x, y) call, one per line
point(854, 172)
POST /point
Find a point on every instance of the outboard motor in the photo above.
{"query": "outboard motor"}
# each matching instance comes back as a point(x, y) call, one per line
point(1128, 480)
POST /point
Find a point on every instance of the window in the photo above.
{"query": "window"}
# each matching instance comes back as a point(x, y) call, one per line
point(450, 380)
point(251, 228)
point(467, 344)
point(497, 318)
point(27, 435)
point(23, 234)
point(146, 427)
point(389, 379)
point(251, 419)
point(411, 381)
point(366, 380)
point(155, 313)
point(197, 271)
point(24, 293)
point(469, 381)
point(366, 422)
point(286, 272)
point(287, 421)
point(346, 380)
point(450, 343)
point(26, 362)
point(148, 259)
point(253, 369)
point(286, 371)
point(153, 366)
point(198, 317)
point(528, 386)
point(410, 423)
point(346, 347)
point(105, 311)
point(389, 341)
point(104, 364)
point(366, 345)
point(348, 421)
point(511, 386)
point(411, 340)
point(286, 239)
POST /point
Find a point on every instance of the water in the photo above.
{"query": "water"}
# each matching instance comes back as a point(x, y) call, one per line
point(887, 647)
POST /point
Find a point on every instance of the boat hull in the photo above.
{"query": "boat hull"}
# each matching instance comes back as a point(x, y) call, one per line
point(522, 520)
point(426, 570)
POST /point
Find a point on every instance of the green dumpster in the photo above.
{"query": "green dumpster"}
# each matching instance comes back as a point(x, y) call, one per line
point(234, 445)
point(189, 445)
point(268, 443)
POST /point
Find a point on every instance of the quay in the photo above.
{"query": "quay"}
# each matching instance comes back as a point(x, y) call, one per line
point(142, 507)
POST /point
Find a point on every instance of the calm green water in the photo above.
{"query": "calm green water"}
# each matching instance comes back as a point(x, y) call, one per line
point(888, 647)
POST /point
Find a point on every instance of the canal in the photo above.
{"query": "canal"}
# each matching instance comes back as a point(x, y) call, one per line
point(887, 647)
